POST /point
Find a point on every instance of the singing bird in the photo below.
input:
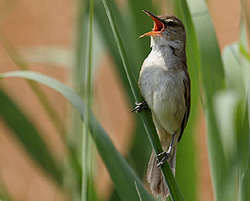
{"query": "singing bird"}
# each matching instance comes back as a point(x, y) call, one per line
point(165, 86)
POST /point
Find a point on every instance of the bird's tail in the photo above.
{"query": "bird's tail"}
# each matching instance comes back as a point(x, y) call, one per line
point(155, 177)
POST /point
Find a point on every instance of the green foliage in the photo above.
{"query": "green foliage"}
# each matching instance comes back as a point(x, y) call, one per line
point(29, 136)
point(224, 97)
point(122, 175)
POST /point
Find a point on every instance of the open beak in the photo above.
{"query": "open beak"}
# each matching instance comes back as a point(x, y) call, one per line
point(158, 25)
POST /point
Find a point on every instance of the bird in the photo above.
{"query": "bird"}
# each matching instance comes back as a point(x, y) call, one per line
point(164, 84)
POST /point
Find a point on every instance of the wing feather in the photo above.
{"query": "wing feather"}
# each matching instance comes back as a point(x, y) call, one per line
point(186, 85)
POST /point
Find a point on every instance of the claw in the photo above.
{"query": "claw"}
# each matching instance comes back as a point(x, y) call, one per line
point(140, 106)
point(165, 156)
point(162, 154)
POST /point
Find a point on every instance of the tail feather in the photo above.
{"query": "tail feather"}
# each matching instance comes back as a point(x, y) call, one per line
point(155, 177)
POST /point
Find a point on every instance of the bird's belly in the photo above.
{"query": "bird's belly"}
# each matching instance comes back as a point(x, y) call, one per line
point(163, 92)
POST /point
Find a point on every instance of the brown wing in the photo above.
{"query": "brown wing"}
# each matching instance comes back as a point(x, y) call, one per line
point(186, 85)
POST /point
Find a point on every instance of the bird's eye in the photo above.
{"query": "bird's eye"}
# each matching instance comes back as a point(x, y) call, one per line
point(170, 23)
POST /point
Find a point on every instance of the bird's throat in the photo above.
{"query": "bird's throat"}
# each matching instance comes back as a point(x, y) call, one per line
point(167, 53)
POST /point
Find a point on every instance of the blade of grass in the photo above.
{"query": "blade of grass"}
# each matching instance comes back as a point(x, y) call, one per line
point(233, 68)
point(244, 111)
point(139, 151)
point(187, 154)
point(175, 192)
point(193, 54)
point(45, 102)
point(87, 145)
point(234, 61)
point(139, 145)
point(212, 81)
point(104, 25)
point(244, 150)
point(120, 172)
point(226, 105)
point(237, 76)
point(27, 134)
point(245, 170)
point(79, 81)
point(13, 53)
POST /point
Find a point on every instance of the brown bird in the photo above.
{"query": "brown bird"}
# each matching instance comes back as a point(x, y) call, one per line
point(165, 86)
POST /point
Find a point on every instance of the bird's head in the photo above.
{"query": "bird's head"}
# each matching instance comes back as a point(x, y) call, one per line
point(166, 27)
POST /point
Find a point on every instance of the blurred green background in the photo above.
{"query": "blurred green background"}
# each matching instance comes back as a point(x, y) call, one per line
point(47, 152)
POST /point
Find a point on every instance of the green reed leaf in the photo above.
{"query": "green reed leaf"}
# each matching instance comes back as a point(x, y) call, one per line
point(122, 175)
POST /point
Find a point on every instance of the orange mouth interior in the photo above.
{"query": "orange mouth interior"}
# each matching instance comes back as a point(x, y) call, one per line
point(158, 26)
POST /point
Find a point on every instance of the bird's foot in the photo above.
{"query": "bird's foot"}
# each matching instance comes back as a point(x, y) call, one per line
point(140, 106)
point(163, 157)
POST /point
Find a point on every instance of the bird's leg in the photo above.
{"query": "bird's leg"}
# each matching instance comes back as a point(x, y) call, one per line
point(140, 106)
point(165, 155)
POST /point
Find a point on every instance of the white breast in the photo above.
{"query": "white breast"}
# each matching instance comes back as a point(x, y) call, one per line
point(161, 85)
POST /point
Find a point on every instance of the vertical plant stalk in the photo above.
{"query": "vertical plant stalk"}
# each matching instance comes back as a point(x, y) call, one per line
point(244, 167)
point(212, 77)
point(194, 60)
point(174, 189)
point(87, 144)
